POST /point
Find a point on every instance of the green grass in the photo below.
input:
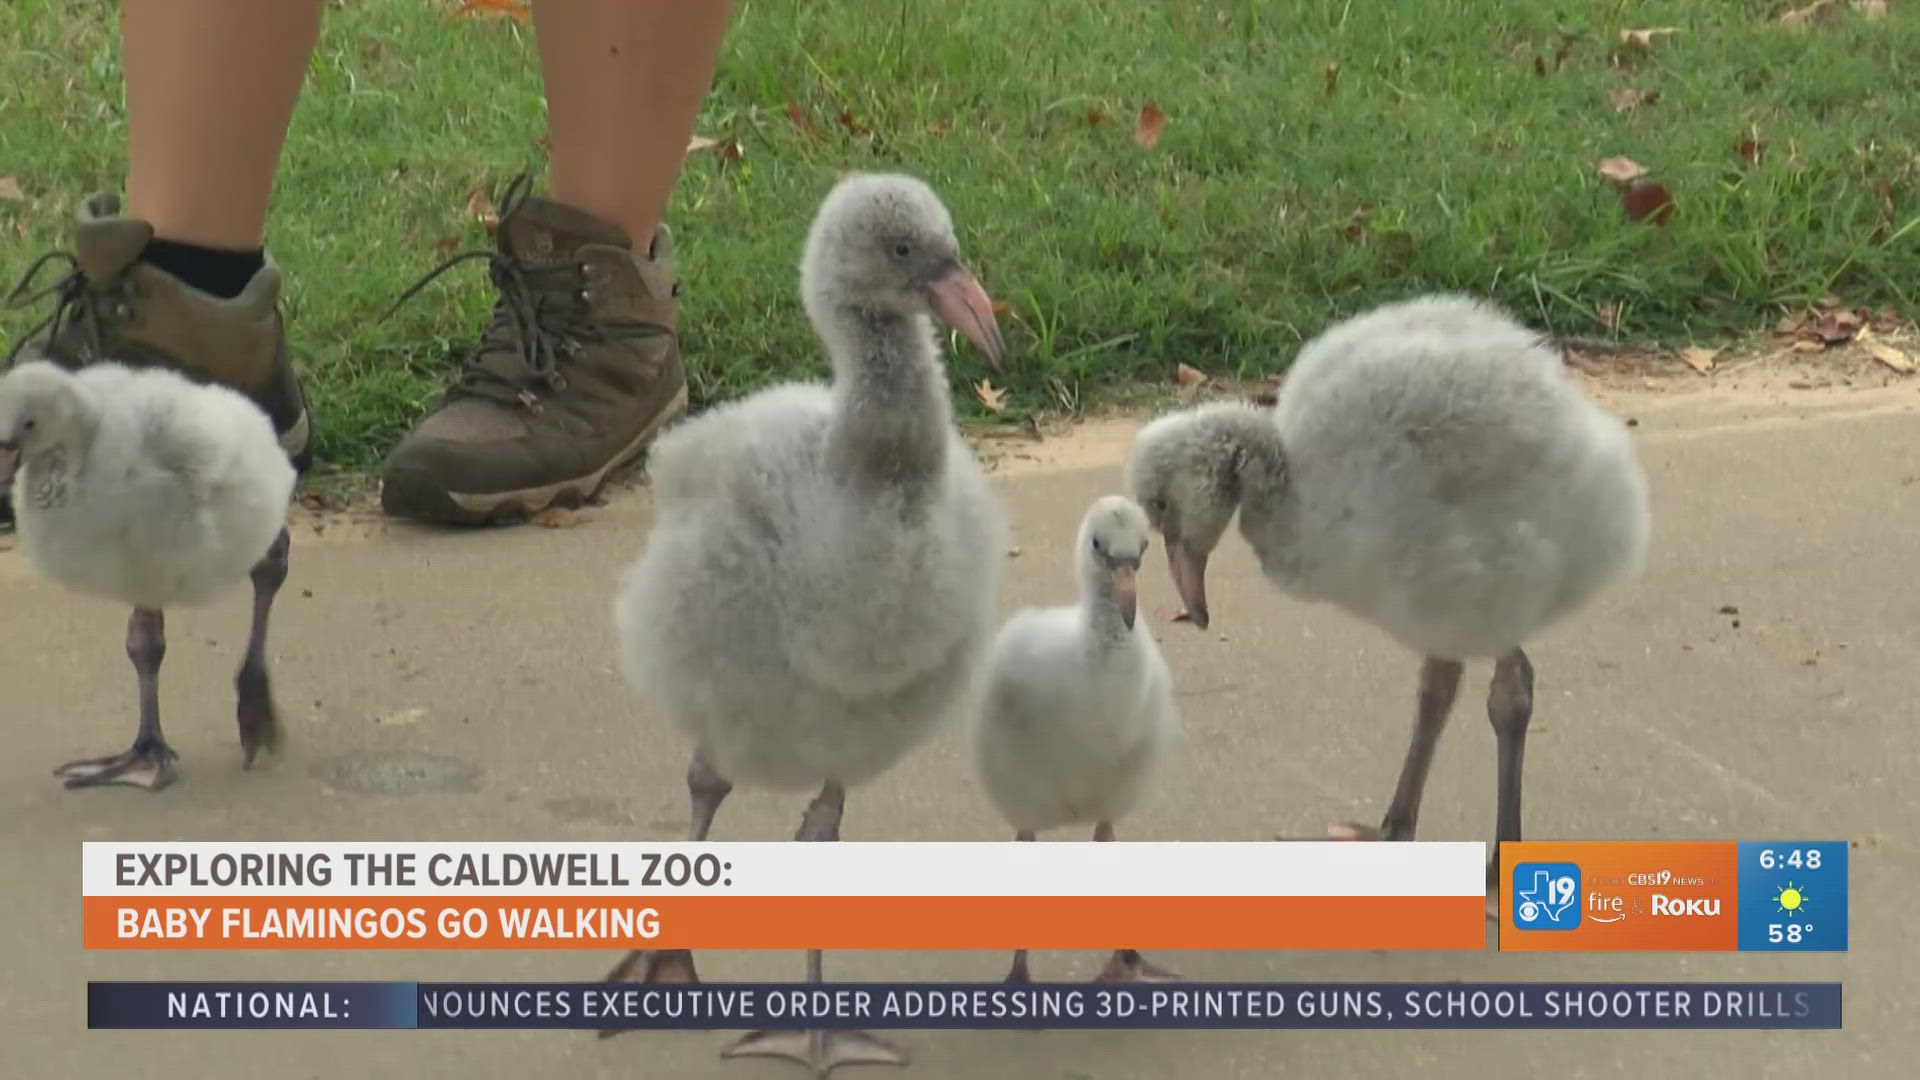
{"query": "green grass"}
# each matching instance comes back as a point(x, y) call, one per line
point(1223, 247)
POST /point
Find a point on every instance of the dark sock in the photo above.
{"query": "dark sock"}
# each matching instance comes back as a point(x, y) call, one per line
point(219, 271)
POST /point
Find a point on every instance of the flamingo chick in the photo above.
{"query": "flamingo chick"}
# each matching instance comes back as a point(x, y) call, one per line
point(146, 487)
point(1078, 711)
point(818, 588)
point(1429, 467)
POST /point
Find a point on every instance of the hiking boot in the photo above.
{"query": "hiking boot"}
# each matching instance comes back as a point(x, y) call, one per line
point(113, 306)
point(578, 370)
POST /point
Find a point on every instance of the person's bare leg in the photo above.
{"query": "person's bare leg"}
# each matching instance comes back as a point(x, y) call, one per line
point(211, 85)
point(624, 80)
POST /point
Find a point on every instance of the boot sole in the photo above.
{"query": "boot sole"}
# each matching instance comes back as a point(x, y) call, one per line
point(418, 497)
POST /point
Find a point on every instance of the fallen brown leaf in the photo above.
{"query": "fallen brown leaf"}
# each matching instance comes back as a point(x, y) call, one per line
point(513, 9)
point(558, 517)
point(1621, 170)
point(1356, 226)
point(1645, 199)
point(446, 244)
point(1818, 13)
point(1752, 149)
point(731, 151)
point(699, 143)
point(1146, 130)
point(994, 398)
point(1331, 76)
point(853, 124)
point(1644, 39)
point(1885, 352)
point(1809, 345)
point(480, 207)
point(1095, 117)
point(1188, 376)
point(1627, 99)
point(1699, 357)
point(1836, 325)
point(10, 190)
point(802, 121)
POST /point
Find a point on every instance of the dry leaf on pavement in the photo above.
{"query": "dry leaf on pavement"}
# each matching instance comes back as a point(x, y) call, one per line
point(1147, 131)
point(558, 517)
point(1885, 351)
point(994, 398)
point(1699, 357)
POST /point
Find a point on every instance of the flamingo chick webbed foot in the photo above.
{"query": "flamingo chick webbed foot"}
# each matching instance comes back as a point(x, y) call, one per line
point(148, 763)
point(1127, 966)
point(820, 1051)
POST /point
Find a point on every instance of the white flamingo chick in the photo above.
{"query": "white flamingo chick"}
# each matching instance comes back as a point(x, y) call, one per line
point(1430, 468)
point(1078, 712)
point(146, 487)
point(819, 585)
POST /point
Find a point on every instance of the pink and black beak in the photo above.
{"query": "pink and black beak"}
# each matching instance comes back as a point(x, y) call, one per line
point(1188, 567)
point(9, 465)
point(965, 306)
point(1126, 589)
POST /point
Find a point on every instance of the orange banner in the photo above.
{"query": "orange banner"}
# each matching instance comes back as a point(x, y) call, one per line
point(1627, 896)
point(742, 922)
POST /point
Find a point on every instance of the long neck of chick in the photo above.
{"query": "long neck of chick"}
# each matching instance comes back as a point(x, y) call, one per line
point(1259, 457)
point(1099, 611)
point(890, 424)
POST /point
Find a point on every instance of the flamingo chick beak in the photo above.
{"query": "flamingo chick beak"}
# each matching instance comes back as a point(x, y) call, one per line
point(965, 306)
point(1126, 595)
point(1188, 568)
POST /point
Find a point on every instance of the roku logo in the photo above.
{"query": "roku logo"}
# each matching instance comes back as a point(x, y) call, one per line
point(1666, 905)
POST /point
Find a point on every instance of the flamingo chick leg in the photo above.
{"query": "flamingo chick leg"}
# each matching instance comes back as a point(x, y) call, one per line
point(259, 721)
point(1017, 974)
point(1509, 709)
point(148, 763)
point(706, 790)
point(1127, 965)
point(820, 1051)
point(1439, 682)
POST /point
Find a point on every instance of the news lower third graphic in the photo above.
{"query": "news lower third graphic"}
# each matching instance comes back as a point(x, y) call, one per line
point(1746, 896)
point(1554, 896)
point(970, 1006)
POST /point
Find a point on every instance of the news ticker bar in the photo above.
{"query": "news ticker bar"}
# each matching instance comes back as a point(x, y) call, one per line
point(1748, 896)
point(972, 1006)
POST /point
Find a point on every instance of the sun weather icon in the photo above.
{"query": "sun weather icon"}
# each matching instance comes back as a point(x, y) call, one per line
point(1791, 900)
point(1546, 896)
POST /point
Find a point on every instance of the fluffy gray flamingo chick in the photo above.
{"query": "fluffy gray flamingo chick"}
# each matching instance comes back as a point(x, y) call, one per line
point(819, 585)
point(1078, 710)
point(148, 488)
point(1430, 468)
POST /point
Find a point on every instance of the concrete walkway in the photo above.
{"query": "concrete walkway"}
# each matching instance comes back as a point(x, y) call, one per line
point(459, 686)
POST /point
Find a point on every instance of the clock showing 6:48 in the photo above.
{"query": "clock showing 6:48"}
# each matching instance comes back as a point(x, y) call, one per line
point(1793, 896)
